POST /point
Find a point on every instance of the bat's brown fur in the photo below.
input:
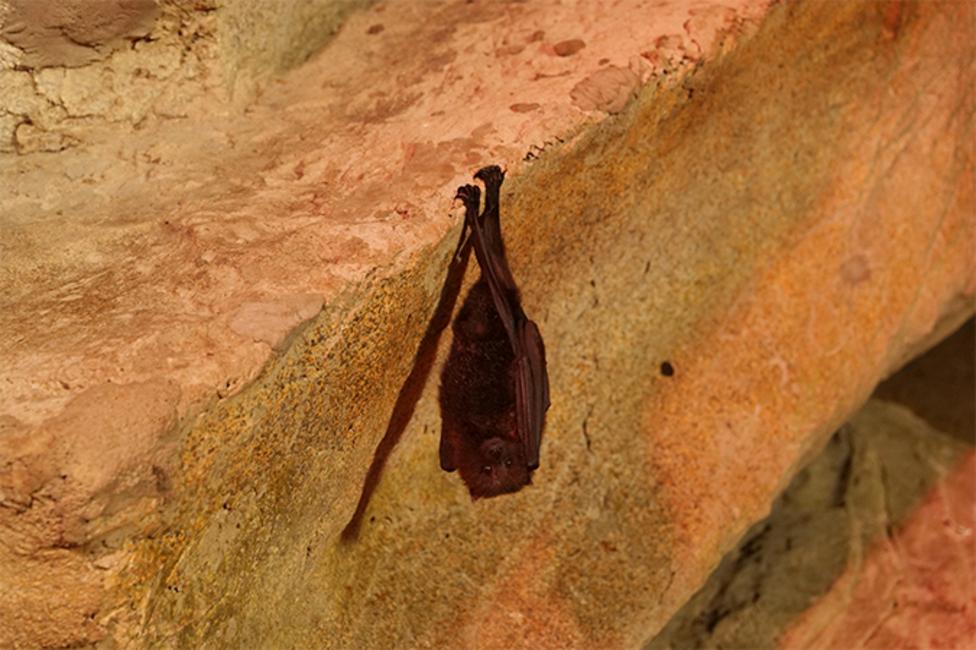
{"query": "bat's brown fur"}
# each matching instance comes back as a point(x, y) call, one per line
point(489, 432)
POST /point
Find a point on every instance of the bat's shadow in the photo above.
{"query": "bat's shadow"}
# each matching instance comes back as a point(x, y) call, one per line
point(414, 384)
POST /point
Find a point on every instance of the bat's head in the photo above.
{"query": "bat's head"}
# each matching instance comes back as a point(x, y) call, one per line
point(498, 467)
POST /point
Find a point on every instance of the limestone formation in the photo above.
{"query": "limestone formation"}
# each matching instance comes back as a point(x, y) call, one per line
point(872, 544)
point(217, 258)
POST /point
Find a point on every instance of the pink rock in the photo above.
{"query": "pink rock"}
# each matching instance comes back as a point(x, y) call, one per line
point(916, 589)
point(708, 224)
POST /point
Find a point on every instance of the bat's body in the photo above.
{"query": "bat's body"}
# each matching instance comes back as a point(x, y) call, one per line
point(494, 387)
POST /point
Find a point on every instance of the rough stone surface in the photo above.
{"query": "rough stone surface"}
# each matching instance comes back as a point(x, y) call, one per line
point(912, 589)
point(80, 71)
point(258, 39)
point(72, 33)
point(877, 531)
point(914, 585)
point(781, 208)
point(871, 545)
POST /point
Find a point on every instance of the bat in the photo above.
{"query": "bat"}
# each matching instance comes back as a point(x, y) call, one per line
point(497, 366)
point(494, 390)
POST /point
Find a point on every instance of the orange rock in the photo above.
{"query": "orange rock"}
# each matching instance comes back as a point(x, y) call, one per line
point(783, 211)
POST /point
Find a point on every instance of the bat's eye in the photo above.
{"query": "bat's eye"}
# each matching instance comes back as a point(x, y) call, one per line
point(508, 462)
point(486, 469)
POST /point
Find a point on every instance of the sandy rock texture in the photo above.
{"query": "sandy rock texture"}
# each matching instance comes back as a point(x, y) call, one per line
point(913, 589)
point(206, 320)
point(913, 584)
point(872, 545)
point(73, 33)
point(77, 71)
point(73, 72)
point(258, 39)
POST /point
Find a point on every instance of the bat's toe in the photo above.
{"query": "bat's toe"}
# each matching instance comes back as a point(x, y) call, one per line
point(490, 175)
point(468, 194)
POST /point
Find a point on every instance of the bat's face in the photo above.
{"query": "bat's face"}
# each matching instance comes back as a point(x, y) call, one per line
point(498, 466)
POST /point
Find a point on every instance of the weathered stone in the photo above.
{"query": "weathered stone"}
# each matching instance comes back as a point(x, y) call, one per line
point(67, 68)
point(129, 60)
point(761, 216)
point(914, 588)
point(8, 127)
point(846, 535)
point(72, 33)
point(260, 39)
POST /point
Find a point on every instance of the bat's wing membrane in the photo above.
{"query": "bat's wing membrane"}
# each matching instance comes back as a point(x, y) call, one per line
point(531, 390)
point(531, 376)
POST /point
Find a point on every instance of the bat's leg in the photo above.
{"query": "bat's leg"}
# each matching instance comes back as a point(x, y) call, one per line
point(470, 195)
point(423, 361)
point(491, 259)
point(463, 241)
point(491, 227)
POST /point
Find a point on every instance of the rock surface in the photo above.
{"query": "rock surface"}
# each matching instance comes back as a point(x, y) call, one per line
point(206, 320)
point(871, 546)
point(913, 589)
point(915, 584)
point(73, 33)
point(74, 72)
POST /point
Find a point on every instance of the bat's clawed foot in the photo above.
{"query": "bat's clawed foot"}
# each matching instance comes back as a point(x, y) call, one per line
point(470, 195)
point(491, 176)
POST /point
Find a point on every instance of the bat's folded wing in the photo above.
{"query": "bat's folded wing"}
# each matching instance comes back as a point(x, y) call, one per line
point(531, 390)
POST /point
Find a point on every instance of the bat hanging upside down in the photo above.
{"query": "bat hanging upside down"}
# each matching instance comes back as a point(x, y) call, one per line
point(494, 389)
